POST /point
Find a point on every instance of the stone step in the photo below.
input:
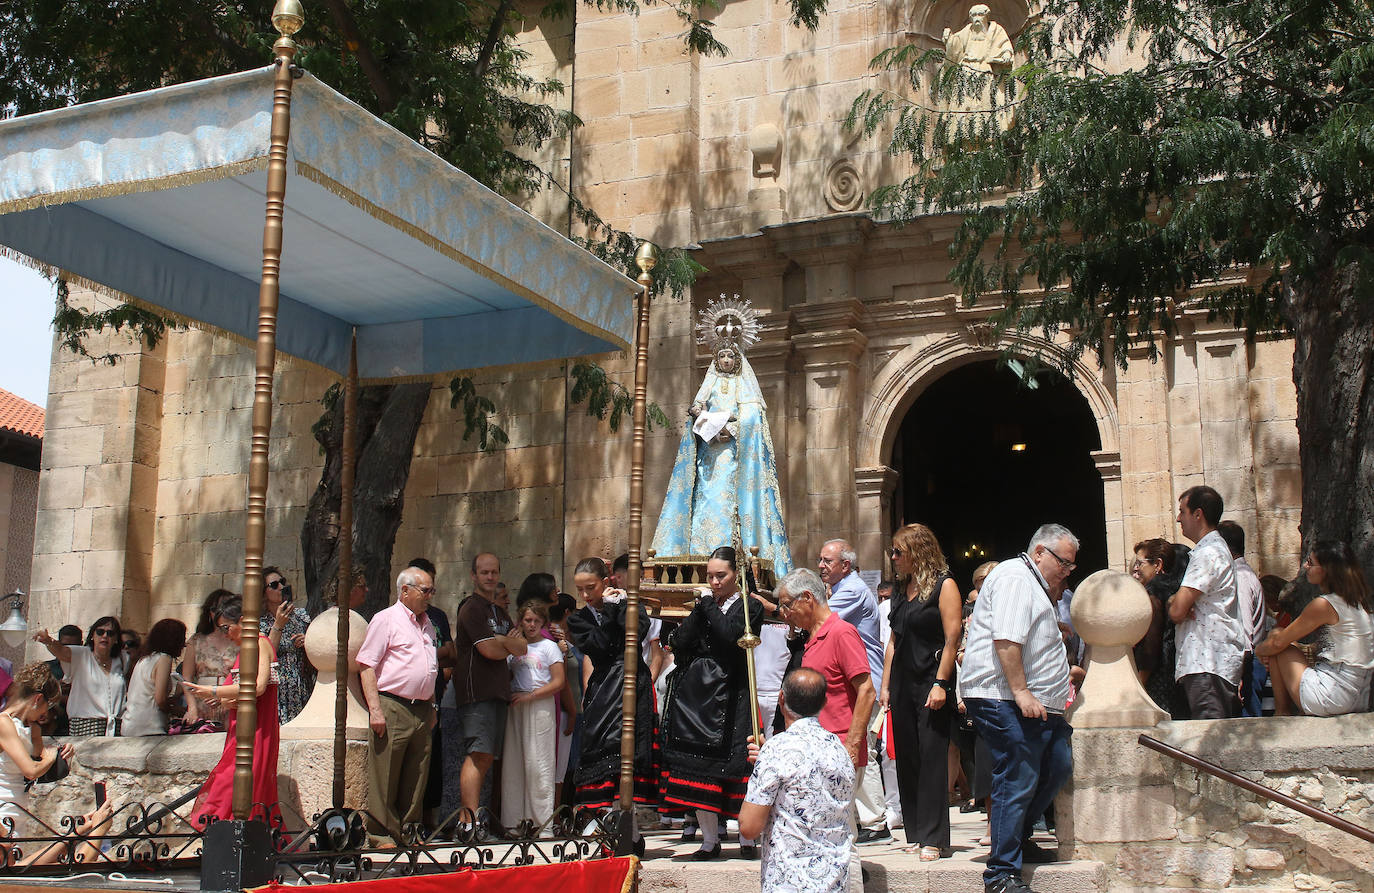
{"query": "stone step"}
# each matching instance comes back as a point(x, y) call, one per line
point(736, 876)
point(668, 867)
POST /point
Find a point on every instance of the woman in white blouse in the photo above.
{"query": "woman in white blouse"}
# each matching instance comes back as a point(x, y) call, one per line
point(150, 681)
point(99, 670)
point(1338, 683)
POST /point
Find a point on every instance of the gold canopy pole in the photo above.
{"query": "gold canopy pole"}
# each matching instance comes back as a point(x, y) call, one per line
point(287, 18)
point(749, 641)
point(646, 257)
point(344, 588)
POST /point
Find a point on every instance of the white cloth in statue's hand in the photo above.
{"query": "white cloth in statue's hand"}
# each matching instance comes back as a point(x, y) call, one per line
point(709, 424)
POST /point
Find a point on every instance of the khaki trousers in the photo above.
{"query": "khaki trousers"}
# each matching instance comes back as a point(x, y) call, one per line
point(398, 767)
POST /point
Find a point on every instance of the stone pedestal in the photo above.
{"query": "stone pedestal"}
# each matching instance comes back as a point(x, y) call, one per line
point(316, 721)
point(1112, 612)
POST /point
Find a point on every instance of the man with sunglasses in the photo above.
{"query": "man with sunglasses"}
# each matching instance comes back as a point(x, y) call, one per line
point(1015, 683)
point(399, 664)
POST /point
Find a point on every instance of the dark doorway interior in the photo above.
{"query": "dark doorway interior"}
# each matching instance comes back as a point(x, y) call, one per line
point(962, 477)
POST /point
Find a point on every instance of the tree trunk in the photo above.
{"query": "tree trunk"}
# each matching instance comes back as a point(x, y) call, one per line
point(1333, 371)
point(388, 422)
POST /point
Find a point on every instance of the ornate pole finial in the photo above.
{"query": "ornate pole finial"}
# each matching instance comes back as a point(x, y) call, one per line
point(646, 258)
point(287, 17)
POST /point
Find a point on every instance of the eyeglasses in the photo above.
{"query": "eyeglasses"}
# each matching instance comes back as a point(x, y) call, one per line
point(1063, 562)
point(103, 633)
point(224, 627)
point(1139, 562)
point(785, 607)
point(276, 584)
point(423, 590)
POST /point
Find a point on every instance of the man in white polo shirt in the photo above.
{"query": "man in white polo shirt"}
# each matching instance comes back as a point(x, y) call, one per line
point(1211, 638)
point(1015, 683)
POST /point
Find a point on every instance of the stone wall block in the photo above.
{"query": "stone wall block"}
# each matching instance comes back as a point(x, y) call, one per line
point(1177, 866)
point(54, 531)
point(107, 484)
point(1109, 814)
point(471, 472)
point(538, 466)
point(61, 488)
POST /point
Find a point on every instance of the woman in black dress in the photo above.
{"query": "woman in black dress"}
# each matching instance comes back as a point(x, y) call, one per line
point(918, 685)
point(706, 724)
point(598, 630)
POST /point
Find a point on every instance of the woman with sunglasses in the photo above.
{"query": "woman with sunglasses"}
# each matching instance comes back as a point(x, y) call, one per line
point(24, 758)
point(927, 615)
point(217, 794)
point(284, 623)
point(99, 672)
point(208, 657)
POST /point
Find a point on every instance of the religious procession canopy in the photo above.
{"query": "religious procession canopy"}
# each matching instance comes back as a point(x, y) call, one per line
point(158, 197)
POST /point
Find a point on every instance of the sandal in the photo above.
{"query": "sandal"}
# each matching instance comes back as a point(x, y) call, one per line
point(930, 853)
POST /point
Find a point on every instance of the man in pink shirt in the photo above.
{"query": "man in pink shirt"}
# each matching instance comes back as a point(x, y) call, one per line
point(399, 665)
point(836, 651)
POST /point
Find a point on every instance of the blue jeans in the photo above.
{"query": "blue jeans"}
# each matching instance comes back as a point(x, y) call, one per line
point(1031, 760)
point(1252, 683)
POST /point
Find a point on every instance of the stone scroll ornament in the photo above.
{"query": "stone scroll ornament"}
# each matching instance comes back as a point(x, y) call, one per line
point(844, 189)
point(724, 486)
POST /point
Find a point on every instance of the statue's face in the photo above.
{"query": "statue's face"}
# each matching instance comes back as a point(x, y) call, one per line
point(726, 361)
point(978, 16)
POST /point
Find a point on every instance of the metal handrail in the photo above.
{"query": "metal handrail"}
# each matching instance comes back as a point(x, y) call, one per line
point(1255, 787)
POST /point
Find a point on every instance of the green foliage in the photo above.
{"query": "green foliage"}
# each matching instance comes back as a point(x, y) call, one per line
point(477, 412)
point(605, 396)
point(1233, 160)
point(74, 324)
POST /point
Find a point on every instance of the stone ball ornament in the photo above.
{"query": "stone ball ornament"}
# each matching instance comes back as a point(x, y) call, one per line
point(1111, 612)
point(322, 640)
point(1110, 608)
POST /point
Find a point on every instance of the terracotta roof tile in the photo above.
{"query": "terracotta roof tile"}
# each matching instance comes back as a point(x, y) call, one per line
point(20, 416)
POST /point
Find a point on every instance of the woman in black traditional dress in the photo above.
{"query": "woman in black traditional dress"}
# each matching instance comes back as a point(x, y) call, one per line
point(598, 629)
point(918, 685)
point(707, 721)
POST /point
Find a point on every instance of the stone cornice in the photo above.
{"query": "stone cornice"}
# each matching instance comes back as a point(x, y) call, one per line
point(878, 481)
point(845, 313)
point(822, 349)
point(840, 238)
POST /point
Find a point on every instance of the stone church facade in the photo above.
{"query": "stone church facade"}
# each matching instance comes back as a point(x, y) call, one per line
point(145, 462)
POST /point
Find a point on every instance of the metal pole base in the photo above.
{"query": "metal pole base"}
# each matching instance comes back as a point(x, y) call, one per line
point(236, 855)
point(625, 832)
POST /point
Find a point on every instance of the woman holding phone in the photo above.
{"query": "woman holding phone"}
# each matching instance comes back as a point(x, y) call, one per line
point(284, 623)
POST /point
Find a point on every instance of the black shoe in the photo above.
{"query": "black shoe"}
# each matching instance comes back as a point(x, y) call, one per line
point(639, 847)
point(1007, 883)
point(707, 855)
point(874, 835)
point(968, 807)
point(1034, 854)
point(689, 832)
point(748, 852)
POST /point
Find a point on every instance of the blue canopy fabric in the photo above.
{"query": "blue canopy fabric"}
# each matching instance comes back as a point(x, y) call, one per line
point(159, 197)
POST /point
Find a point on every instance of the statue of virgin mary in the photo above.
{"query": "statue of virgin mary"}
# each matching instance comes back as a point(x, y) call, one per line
point(724, 489)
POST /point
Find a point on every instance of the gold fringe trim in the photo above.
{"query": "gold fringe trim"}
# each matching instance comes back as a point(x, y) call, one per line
point(631, 876)
point(86, 193)
point(324, 180)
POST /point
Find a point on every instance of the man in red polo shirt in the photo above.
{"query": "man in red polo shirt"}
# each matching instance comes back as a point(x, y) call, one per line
point(836, 651)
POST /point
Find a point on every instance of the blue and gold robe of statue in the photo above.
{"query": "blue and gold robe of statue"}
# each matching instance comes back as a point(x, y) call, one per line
point(726, 493)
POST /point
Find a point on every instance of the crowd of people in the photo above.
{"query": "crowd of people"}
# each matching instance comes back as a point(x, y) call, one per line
point(903, 701)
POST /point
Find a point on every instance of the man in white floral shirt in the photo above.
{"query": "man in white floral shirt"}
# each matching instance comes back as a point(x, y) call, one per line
point(800, 792)
point(1211, 638)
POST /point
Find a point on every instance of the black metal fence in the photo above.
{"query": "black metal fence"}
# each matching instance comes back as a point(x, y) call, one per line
point(161, 838)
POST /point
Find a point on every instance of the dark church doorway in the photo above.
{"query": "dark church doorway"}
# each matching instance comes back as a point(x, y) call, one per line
point(985, 460)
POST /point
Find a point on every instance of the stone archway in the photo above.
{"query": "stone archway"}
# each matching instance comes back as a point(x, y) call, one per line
point(900, 381)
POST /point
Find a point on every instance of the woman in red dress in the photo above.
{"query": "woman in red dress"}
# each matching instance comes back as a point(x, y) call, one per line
point(217, 794)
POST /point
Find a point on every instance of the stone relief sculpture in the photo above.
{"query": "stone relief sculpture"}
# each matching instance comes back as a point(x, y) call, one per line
point(978, 46)
point(724, 487)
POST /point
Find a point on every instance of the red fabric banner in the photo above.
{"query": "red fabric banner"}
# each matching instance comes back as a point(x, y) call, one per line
point(616, 875)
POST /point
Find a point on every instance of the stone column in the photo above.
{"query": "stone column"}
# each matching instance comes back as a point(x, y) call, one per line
point(1109, 467)
point(829, 352)
point(874, 487)
point(97, 493)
